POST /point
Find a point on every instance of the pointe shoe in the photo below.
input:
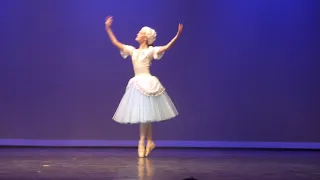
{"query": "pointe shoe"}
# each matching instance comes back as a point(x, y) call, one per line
point(141, 149)
point(150, 146)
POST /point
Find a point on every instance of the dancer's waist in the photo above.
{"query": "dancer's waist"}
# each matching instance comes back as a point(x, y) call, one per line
point(142, 71)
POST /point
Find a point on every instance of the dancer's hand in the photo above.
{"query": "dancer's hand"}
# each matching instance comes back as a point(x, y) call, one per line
point(109, 21)
point(168, 46)
point(180, 27)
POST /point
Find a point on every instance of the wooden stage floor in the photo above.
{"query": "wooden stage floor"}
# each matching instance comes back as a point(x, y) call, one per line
point(163, 164)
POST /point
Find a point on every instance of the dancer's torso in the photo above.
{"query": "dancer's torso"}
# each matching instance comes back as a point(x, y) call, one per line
point(141, 60)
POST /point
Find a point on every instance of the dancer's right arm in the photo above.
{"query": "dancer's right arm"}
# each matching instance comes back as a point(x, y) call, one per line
point(112, 37)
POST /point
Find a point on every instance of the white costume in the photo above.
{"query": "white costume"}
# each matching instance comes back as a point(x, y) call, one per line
point(145, 99)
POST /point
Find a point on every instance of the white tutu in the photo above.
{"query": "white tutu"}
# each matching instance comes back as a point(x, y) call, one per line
point(145, 100)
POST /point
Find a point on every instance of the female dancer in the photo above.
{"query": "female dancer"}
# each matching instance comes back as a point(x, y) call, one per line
point(145, 100)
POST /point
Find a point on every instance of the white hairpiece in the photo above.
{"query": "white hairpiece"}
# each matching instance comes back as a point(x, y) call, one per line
point(150, 33)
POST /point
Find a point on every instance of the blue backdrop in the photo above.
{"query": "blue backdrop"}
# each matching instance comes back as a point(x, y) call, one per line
point(243, 70)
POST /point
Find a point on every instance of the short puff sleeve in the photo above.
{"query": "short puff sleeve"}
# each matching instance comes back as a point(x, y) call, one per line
point(156, 54)
point(126, 51)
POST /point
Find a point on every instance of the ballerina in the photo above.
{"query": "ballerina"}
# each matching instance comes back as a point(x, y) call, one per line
point(145, 100)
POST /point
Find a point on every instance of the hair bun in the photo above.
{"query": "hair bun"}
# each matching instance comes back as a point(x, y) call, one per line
point(150, 33)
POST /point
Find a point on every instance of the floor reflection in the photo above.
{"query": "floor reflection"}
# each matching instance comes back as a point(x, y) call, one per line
point(145, 169)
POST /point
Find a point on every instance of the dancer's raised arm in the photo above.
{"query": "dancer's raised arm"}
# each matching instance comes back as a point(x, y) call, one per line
point(112, 37)
point(169, 45)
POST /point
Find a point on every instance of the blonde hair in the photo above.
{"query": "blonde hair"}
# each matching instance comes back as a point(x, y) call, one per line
point(150, 33)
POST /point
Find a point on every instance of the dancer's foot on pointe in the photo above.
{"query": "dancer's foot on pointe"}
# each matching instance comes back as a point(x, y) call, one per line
point(150, 146)
point(141, 149)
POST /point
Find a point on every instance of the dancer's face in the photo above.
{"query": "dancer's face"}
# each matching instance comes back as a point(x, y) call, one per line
point(141, 36)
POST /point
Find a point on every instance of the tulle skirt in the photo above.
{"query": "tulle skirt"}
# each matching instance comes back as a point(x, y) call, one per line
point(137, 107)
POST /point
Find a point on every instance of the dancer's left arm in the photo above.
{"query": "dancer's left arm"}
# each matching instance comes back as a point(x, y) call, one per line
point(169, 45)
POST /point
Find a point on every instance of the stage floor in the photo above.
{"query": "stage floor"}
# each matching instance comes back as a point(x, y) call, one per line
point(163, 164)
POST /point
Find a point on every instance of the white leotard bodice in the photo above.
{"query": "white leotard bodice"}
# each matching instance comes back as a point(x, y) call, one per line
point(141, 60)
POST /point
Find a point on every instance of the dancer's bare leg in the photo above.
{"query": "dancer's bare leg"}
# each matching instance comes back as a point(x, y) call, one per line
point(150, 144)
point(143, 135)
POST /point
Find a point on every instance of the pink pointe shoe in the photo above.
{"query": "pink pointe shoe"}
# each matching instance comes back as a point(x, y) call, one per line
point(141, 149)
point(150, 146)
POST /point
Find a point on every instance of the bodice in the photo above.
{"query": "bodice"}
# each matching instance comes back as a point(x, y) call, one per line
point(141, 60)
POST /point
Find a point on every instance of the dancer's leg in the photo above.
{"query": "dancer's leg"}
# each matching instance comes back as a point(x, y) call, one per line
point(150, 143)
point(143, 135)
point(149, 132)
